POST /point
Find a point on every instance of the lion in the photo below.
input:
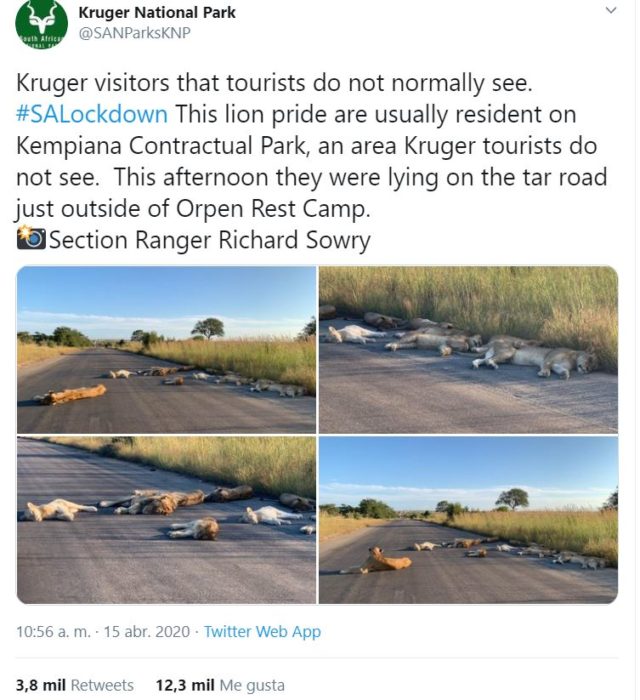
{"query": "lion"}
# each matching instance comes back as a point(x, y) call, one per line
point(479, 553)
point(326, 312)
point(415, 324)
point(308, 529)
point(200, 376)
point(463, 543)
point(352, 334)
point(284, 390)
point(119, 374)
point(269, 515)
point(53, 398)
point(584, 561)
point(233, 378)
point(505, 548)
point(153, 502)
point(58, 509)
point(225, 495)
point(443, 341)
point(174, 381)
point(297, 503)
point(425, 546)
point(200, 529)
point(535, 551)
point(561, 361)
point(380, 321)
point(376, 561)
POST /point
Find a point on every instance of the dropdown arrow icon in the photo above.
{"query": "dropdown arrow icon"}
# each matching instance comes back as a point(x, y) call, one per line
point(611, 10)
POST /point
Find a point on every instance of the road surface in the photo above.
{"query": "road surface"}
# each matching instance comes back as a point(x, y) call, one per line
point(146, 405)
point(367, 389)
point(106, 558)
point(447, 575)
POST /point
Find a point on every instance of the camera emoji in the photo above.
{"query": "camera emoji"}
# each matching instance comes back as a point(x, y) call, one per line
point(31, 238)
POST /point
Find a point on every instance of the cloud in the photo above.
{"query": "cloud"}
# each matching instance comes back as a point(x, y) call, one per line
point(100, 326)
point(426, 498)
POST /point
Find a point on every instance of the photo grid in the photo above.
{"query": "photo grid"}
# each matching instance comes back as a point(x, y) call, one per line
point(351, 435)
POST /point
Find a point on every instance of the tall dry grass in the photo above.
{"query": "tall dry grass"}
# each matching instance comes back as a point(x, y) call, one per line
point(562, 306)
point(272, 465)
point(283, 360)
point(334, 525)
point(30, 352)
point(584, 531)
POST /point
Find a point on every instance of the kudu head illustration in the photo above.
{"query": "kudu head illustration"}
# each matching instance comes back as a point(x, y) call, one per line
point(42, 22)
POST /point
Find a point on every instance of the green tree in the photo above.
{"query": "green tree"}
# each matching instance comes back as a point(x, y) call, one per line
point(70, 337)
point(371, 508)
point(612, 502)
point(137, 336)
point(441, 506)
point(514, 498)
point(149, 338)
point(209, 328)
point(329, 509)
point(454, 509)
point(309, 330)
point(25, 337)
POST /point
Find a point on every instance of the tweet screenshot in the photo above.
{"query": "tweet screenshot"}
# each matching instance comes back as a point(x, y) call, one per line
point(325, 375)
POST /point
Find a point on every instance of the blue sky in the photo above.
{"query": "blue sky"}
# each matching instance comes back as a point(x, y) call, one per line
point(416, 473)
point(112, 302)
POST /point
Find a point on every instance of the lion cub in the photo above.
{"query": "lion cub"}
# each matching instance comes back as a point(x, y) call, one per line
point(58, 509)
point(200, 529)
point(376, 561)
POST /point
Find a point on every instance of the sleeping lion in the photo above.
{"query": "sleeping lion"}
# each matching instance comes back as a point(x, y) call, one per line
point(561, 361)
point(376, 561)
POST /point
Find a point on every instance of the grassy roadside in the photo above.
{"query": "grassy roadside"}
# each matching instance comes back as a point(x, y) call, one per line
point(334, 525)
point(590, 532)
point(28, 353)
point(283, 360)
point(272, 465)
point(562, 306)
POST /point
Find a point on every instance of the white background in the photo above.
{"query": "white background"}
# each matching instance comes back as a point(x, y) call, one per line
point(575, 54)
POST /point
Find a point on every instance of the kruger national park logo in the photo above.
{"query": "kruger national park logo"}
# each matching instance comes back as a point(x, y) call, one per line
point(41, 24)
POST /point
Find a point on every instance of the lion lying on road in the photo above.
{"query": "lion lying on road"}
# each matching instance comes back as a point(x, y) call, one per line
point(584, 561)
point(58, 509)
point(201, 529)
point(269, 516)
point(308, 529)
point(119, 374)
point(464, 543)
point(376, 561)
point(297, 503)
point(326, 312)
point(286, 390)
point(225, 495)
point(53, 398)
point(479, 553)
point(380, 321)
point(174, 381)
point(352, 334)
point(441, 340)
point(561, 361)
point(153, 502)
point(425, 546)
